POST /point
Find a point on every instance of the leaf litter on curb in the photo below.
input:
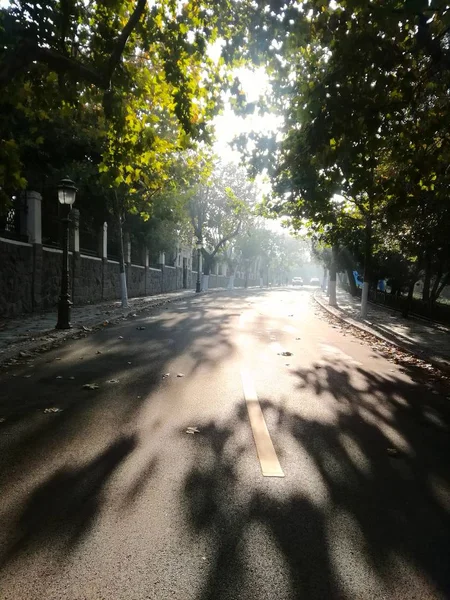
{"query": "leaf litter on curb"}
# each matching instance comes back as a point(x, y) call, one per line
point(112, 381)
point(180, 374)
point(391, 351)
point(53, 409)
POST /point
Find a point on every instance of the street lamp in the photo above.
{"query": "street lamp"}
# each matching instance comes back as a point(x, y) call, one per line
point(199, 247)
point(66, 196)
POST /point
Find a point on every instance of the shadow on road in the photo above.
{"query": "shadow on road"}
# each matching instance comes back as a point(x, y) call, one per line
point(381, 458)
point(61, 510)
point(386, 509)
point(44, 491)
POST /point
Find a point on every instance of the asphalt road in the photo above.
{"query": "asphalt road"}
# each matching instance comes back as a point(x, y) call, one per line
point(108, 496)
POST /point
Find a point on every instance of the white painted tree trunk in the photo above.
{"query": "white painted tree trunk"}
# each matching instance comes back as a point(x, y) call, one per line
point(261, 282)
point(230, 285)
point(205, 283)
point(123, 290)
point(325, 280)
point(123, 277)
point(364, 299)
point(332, 293)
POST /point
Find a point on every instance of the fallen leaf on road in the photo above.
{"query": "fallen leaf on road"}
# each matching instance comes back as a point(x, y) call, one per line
point(393, 452)
point(84, 328)
point(113, 381)
point(54, 409)
point(59, 377)
point(72, 377)
point(98, 352)
point(129, 362)
point(27, 376)
point(166, 375)
point(140, 328)
point(2, 419)
point(192, 430)
point(120, 337)
point(57, 358)
point(298, 338)
point(180, 374)
point(91, 386)
point(105, 323)
point(285, 353)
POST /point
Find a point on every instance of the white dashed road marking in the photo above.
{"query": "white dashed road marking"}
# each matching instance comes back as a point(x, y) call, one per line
point(270, 465)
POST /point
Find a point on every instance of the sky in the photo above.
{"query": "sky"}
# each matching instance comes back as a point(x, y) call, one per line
point(228, 125)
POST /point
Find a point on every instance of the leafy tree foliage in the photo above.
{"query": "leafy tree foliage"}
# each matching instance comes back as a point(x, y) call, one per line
point(220, 208)
point(363, 88)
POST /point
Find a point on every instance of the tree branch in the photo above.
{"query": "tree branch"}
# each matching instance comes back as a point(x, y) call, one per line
point(28, 51)
point(226, 239)
point(117, 52)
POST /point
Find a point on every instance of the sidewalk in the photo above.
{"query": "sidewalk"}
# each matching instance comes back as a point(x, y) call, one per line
point(36, 332)
point(427, 341)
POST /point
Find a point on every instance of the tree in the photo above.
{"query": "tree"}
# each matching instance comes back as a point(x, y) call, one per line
point(141, 73)
point(219, 209)
point(356, 82)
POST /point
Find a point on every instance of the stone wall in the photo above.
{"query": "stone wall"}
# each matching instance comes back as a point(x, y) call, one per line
point(16, 277)
point(51, 277)
point(111, 280)
point(154, 281)
point(172, 278)
point(30, 278)
point(136, 281)
point(87, 285)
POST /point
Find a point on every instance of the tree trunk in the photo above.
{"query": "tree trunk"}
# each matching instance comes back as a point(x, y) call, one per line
point(351, 281)
point(367, 265)
point(407, 307)
point(208, 262)
point(445, 282)
point(325, 279)
point(123, 277)
point(434, 292)
point(333, 276)
point(427, 279)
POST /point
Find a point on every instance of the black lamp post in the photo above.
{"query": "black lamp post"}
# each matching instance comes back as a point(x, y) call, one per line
point(199, 246)
point(66, 196)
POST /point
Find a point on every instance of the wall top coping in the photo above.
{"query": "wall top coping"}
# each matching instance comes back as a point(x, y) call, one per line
point(153, 269)
point(90, 257)
point(55, 250)
point(15, 242)
point(137, 266)
point(169, 267)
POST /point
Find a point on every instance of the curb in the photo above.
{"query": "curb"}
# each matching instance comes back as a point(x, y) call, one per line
point(438, 364)
point(40, 344)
